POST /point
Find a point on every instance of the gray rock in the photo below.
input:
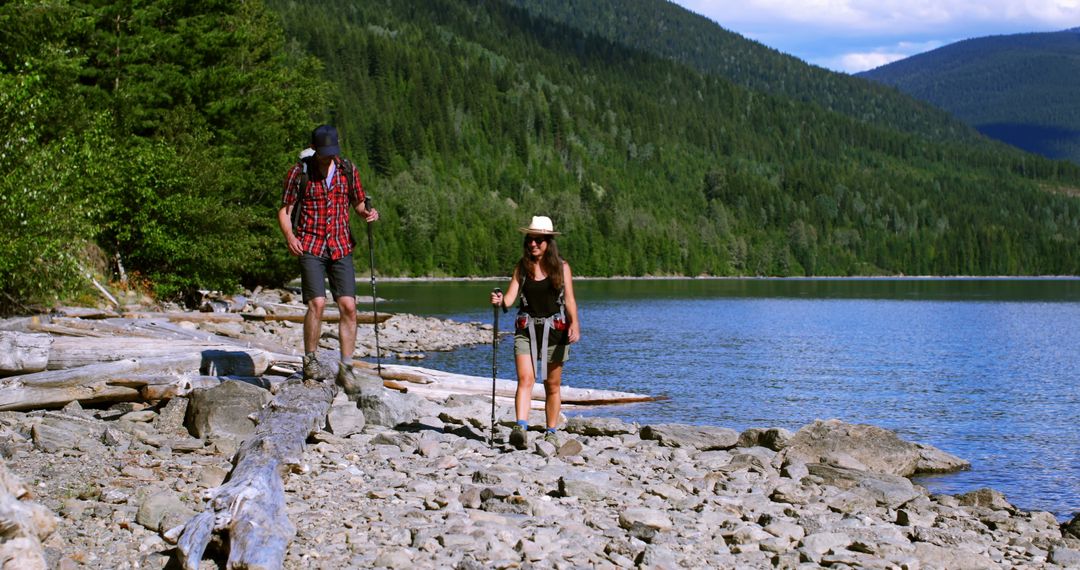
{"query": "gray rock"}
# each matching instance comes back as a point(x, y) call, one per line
point(771, 438)
point(570, 448)
point(877, 449)
point(589, 485)
point(141, 416)
point(934, 556)
point(820, 543)
point(224, 411)
point(657, 557)
point(1066, 557)
point(603, 427)
point(886, 490)
point(389, 408)
point(60, 431)
point(1072, 528)
point(640, 516)
point(345, 417)
point(171, 417)
point(698, 437)
point(162, 511)
point(985, 497)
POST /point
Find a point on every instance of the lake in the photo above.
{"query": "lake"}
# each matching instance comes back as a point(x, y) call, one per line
point(986, 369)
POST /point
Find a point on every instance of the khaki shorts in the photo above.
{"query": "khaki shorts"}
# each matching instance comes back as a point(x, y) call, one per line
point(557, 352)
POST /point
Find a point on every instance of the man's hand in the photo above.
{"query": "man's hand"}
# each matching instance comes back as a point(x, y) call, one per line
point(371, 215)
point(294, 245)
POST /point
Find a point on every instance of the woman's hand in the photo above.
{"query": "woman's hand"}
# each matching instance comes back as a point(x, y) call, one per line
point(574, 334)
point(496, 298)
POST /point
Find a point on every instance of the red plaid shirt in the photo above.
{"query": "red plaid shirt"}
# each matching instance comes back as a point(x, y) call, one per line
point(324, 214)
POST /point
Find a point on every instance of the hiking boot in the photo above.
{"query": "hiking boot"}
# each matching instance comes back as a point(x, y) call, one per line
point(518, 438)
point(552, 438)
point(311, 367)
point(346, 377)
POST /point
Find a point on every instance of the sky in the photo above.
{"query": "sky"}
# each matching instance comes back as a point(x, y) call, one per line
point(856, 35)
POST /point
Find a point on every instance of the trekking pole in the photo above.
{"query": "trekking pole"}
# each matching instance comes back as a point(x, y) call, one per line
point(494, 362)
point(374, 297)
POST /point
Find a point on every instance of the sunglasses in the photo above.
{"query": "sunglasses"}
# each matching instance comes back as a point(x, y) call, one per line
point(538, 239)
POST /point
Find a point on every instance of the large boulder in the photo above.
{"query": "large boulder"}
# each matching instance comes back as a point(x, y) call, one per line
point(868, 448)
point(225, 411)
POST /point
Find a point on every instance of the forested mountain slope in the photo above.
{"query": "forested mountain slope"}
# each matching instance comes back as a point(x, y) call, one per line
point(672, 32)
point(1023, 89)
point(475, 115)
point(154, 136)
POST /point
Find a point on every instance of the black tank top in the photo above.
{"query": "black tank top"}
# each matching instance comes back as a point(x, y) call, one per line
point(541, 299)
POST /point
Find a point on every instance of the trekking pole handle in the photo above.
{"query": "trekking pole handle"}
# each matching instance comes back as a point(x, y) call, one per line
point(499, 291)
point(367, 203)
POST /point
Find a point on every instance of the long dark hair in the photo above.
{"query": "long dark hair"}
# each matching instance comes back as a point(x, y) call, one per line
point(550, 263)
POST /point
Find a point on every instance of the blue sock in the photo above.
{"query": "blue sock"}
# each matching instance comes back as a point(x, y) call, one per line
point(524, 424)
point(550, 430)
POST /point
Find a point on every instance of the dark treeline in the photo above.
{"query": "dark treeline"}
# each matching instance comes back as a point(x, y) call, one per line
point(154, 136)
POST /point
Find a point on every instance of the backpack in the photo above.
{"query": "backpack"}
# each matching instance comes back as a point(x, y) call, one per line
point(305, 178)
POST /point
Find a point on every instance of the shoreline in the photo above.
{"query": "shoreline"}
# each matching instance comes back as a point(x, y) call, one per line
point(749, 278)
point(424, 489)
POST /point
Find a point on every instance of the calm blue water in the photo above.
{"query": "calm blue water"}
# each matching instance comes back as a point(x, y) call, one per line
point(986, 369)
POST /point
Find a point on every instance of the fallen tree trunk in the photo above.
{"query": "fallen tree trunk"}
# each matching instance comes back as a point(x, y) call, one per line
point(91, 384)
point(23, 525)
point(22, 352)
point(250, 507)
point(216, 359)
point(436, 383)
point(328, 317)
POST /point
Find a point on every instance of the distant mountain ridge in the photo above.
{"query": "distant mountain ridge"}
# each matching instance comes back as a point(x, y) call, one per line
point(670, 31)
point(1023, 89)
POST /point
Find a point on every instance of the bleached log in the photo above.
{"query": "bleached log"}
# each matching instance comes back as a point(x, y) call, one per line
point(91, 384)
point(23, 525)
point(328, 317)
point(436, 383)
point(164, 388)
point(217, 359)
point(86, 312)
point(23, 352)
point(250, 508)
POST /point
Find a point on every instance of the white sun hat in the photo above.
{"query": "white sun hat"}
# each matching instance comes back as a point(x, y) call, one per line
point(540, 225)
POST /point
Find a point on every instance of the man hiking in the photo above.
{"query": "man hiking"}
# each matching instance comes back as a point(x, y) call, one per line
point(323, 186)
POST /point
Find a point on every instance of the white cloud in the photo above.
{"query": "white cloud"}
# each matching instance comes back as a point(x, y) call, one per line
point(856, 61)
point(892, 16)
point(854, 35)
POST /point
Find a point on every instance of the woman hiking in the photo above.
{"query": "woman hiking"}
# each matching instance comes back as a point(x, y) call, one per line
point(546, 325)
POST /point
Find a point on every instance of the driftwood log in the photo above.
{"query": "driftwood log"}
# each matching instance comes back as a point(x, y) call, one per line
point(74, 352)
point(123, 380)
point(436, 383)
point(21, 353)
point(249, 510)
point(362, 318)
point(23, 525)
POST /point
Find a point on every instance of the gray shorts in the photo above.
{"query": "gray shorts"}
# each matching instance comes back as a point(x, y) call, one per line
point(313, 273)
point(557, 351)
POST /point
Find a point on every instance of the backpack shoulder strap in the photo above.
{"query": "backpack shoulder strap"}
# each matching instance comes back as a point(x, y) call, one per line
point(347, 167)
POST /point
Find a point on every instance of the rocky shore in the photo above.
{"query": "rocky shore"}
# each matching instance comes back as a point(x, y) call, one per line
point(398, 481)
